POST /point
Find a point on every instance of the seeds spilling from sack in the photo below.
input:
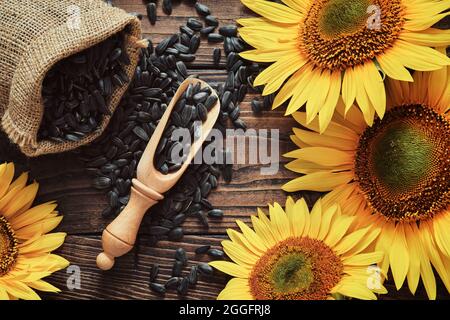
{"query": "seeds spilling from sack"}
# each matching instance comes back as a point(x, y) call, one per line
point(77, 90)
point(183, 127)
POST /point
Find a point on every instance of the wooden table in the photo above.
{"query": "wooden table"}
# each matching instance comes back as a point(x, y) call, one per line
point(62, 178)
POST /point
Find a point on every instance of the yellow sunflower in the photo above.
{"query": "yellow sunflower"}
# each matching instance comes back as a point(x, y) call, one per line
point(298, 255)
point(399, 169)
point(331, 48)
point(25, 246)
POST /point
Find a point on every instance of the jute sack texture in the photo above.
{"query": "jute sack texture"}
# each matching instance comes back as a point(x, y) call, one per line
point(36, 34)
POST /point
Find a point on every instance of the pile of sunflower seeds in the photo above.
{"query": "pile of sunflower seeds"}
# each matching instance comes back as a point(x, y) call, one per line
point(193, 106)
point(77, 90)
point(112, 160)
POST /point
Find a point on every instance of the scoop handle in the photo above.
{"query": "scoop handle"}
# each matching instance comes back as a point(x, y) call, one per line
point(120, 235)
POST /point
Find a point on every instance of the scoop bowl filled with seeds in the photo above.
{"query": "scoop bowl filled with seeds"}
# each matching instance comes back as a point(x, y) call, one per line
point(152, 181)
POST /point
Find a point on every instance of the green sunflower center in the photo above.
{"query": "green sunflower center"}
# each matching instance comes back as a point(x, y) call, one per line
point(8, 246)
point(292, 273)
point(402, 163)
point(402, 157)
point(296, 269)
point(343, 16)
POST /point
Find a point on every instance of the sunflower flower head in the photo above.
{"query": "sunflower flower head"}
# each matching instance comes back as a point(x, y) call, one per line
point(297, 255)
point(25, 246)
point(325, 50)
point(397, 172)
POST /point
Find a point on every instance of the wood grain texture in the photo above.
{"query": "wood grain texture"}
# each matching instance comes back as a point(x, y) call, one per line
point(62, 178)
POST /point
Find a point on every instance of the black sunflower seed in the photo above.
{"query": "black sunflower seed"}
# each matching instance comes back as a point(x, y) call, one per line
point(177, 268)
point(183, 286)
point(172, 282)
point(210, 102)
point(194, 24)
point(215, 213)
point(158, 288)
point(185, 39)
point(202, 9)
point(176, 234)
point(141, 133)
point(194, 43)
point(102, 183)
point(187, 30)
point(200, 97)
point(211, 21)
point(181, 67)
point(193, 275)
point(217, 53)
point(207, 30)
point(167, 7)
point(186, 57)
point(215, 37)
point(202, 249)
point(151, 12)
point(205, 268)
point(179, 219)
point(162, 46)
point(228, 31)
point(215, 253)
point(180, 255)
point(154, 270)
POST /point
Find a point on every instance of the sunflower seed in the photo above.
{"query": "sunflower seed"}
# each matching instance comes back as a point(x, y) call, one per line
point(202, 249)
point(194, 43)
point(228, 31)
point(187, 30)
point(215, 213)
point(194, 24)
point(102, 183)
point(176, 234)
point(211, 101)
point(183, 286)
point(211, 21)
point(207, 30)
point(193, 275)
point(186, 57)
point(202, 9)
point(172, 282)
point(205, 268)
point(154, 270)
point(138, 131)
point(167, 7)
point(177, 268)
point(151, 12)
point(215, 37)
point(158, 288)
point(180, 255)
point(216, 56)
point(215, 253)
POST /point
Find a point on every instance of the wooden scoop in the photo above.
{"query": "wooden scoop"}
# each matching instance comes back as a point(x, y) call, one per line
point(119, 236)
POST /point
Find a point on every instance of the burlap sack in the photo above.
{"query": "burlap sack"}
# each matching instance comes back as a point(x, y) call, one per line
point(34, 35)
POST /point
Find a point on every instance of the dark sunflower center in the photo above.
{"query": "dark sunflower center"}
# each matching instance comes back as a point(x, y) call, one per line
point(8, 247)
point(343, 16)
point(402, 163)
point(339, 34)
point(296, 269)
